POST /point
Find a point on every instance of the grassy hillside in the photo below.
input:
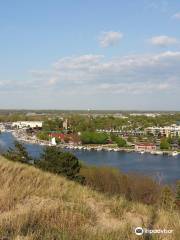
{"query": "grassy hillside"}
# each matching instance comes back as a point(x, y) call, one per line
point(43, 206)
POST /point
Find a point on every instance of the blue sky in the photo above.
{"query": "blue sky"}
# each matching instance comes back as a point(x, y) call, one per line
point(66, 54)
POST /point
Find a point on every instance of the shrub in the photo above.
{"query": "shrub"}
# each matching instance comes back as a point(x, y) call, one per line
point(178, 193)
point(112, 182)
point(166, 198)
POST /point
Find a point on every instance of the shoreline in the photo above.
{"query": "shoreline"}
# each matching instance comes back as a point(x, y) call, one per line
point(26, 139)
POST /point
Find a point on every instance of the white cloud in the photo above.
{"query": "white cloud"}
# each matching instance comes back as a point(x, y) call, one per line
point(134, 74)
point(94, 74)
point(163, 41)
point(110, 38)
point(94, 80)
point(176, 15)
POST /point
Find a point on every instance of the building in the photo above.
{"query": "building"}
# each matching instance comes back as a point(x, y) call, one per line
point(60, 136)
point(173, 131)
point(70, 138)
point(65, 124)
point(27, 124)
point(147, 147)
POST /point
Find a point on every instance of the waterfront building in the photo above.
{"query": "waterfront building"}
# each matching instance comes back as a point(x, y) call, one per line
point(173, 131)
point(147, 147)
point(27, 124)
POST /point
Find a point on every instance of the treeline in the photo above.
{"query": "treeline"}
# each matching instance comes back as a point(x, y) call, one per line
point(106, 180)
point(21, 117)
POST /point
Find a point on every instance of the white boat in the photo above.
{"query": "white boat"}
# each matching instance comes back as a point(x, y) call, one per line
point(142, 152)
point(175, 153)
point(110, 149)
point(80, 147)
point(157, 153)
point(116, 149)
point(99, 149)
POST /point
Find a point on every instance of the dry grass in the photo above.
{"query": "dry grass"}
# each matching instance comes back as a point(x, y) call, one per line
point(35, 205)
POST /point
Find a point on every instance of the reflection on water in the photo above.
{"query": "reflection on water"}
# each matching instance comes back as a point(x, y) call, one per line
point(164, 168)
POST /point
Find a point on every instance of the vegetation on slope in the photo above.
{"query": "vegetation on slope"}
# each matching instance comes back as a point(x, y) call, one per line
point(36, 205)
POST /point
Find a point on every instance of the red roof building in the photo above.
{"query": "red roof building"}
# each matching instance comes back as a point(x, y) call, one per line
point(145, 147)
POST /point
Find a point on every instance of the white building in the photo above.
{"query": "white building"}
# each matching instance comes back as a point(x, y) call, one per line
point(2, 127)
point(27, 124)
point(172, 131)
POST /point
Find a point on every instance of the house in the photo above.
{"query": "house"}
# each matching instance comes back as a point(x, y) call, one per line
point(147, 147)
point(27, 124)
point(70, 138)
point(60, 136)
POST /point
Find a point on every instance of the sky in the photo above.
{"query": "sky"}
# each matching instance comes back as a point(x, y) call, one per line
point(89, 54)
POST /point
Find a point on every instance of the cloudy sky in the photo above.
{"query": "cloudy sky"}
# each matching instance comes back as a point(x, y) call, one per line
point(89, 54)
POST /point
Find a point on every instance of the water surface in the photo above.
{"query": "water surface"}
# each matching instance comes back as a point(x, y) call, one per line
point(165, 169)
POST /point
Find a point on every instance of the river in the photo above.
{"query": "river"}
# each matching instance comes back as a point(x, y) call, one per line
point(165, 169)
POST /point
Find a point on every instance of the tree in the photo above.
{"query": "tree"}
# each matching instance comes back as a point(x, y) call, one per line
point(42, 135)
point(18, 153)
point(120, 142)
point(63, 163)
point(164, 145)
point(94, 138)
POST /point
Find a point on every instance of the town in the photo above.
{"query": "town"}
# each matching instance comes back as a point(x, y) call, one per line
point(156, 133)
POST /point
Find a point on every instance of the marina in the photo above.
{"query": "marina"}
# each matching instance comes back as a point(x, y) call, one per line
point(164, 168)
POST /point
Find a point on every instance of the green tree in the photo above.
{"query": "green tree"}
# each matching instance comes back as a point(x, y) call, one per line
point(63, 163)
point(121, 142)
point(94, 138)
point(18, 153)
point(164, 145)
point(42, 135)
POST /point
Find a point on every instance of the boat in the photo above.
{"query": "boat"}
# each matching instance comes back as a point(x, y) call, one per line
point(110, 149)
point(157, 152)
point(175, 153)
point(115, 149)
point(88, 148)
point(142, 152)
point(99, 149)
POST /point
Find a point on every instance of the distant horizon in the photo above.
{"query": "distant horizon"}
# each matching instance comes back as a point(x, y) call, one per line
point(88, 110)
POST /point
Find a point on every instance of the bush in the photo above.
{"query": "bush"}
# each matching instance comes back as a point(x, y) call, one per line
point(178, 193)
point(112, 182)
point(167, 198)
